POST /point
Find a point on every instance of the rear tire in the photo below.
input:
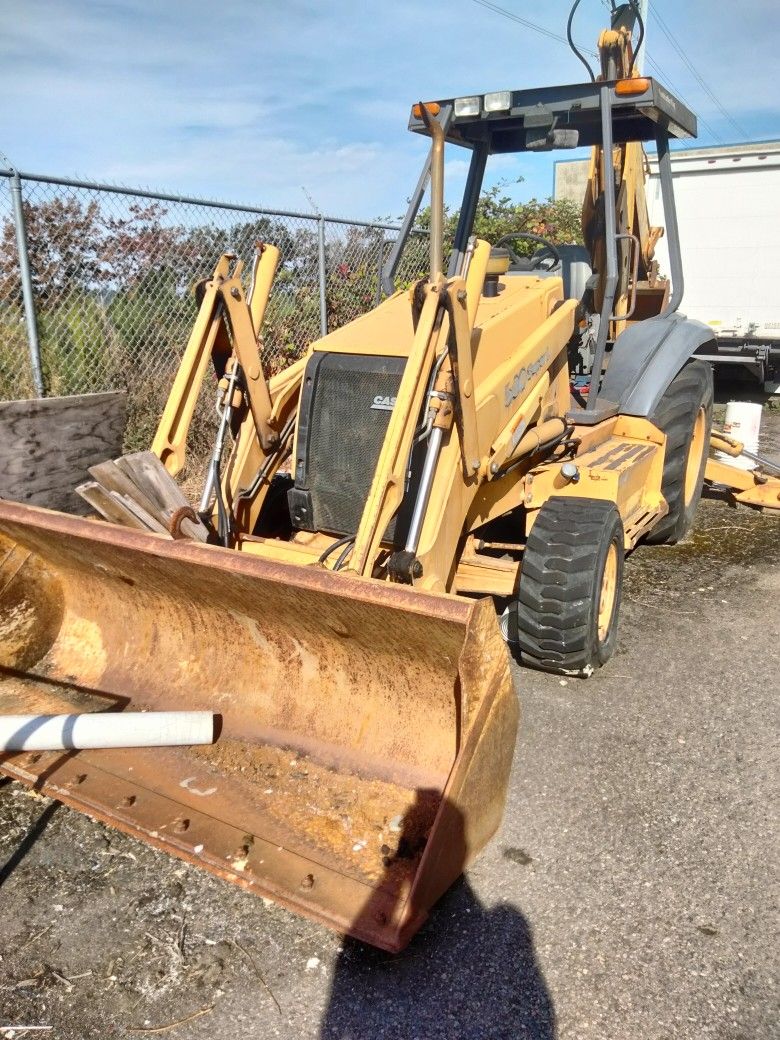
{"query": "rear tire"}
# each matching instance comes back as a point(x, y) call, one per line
point(565, 616)
point(684, 414)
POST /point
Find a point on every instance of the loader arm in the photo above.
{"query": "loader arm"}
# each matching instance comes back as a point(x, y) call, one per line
point(226, 327)
point(227, 333)
point(514, 391)
point(388, 483)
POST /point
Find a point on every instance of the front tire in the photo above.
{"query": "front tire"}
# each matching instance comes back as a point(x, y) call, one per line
point(565, 616)
point(684, 414)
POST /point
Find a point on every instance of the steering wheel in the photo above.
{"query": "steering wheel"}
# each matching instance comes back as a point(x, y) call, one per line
point(544, 259)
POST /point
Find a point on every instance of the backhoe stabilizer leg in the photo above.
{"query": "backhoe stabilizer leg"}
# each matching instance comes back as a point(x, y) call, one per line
point(745, 486)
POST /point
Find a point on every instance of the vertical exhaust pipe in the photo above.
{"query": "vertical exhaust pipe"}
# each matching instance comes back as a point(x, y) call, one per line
point(437, 193)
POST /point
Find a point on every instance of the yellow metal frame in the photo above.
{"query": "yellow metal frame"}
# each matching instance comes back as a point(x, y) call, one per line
point(500, 400)
point(226, 326)
point(506, 369)
point(749, 487)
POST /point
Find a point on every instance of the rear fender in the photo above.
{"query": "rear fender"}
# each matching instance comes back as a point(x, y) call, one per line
point(647, 357)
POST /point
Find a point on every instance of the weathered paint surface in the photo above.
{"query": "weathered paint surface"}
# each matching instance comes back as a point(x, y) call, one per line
point(367, 729)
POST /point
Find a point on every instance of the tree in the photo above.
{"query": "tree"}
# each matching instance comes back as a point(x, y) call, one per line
point(63, 241)
point(497, 215)
point(132, 247)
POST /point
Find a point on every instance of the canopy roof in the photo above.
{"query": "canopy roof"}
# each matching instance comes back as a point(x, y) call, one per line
point(534, 114)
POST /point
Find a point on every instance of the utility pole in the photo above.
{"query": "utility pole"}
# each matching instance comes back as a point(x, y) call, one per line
point(644, 11)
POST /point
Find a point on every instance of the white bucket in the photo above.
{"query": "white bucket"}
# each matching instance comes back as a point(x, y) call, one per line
point(743, 423)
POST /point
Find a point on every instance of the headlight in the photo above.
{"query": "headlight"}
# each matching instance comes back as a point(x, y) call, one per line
point(500, 101)
point(467, 106)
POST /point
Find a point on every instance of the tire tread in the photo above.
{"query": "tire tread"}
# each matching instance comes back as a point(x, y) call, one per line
point(675, 415)
point(555, 596)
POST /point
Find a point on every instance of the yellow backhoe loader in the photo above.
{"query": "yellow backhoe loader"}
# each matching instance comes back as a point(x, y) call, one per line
point(333, 597)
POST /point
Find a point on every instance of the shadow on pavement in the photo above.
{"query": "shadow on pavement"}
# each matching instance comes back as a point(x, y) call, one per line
point(27, 843)
point(470, 974)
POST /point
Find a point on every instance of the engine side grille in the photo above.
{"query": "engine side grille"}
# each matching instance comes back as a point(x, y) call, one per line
point(346, 404)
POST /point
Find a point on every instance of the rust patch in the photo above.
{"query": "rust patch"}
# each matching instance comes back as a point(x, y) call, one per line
point(370, 829)
point(31, 606)
point(385, 694)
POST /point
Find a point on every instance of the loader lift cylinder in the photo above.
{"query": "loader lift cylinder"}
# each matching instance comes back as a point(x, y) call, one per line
point(424, 492)
point(436, 264)
point(213, 478)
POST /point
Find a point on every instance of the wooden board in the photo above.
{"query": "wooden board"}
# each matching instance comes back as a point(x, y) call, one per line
point(47, 446)
point(135, 490)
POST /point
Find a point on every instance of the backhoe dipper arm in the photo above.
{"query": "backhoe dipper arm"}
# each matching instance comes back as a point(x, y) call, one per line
point(628, 166)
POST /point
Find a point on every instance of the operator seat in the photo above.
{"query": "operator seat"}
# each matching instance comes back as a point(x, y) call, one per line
point(574, 269)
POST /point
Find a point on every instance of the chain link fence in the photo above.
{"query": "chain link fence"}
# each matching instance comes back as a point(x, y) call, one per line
point(16, 377)
point(111, 274)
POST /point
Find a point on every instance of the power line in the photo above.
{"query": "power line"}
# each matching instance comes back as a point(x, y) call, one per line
point(695, 72)
point(535, 27)
point(671, 84)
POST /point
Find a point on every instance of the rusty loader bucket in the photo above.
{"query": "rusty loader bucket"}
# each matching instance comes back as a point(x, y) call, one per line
point(367, 729)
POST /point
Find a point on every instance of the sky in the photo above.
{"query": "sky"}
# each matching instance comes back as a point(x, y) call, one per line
point(302, 105)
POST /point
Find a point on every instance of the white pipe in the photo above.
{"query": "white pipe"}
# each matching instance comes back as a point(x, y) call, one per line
point(105, 730)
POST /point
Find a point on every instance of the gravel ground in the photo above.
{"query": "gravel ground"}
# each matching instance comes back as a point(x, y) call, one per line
point(630, 894)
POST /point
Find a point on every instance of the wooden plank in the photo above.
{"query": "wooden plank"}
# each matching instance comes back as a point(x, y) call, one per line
point(47, 446)
point(146, 470)
point(119, 509)
point(112, 478)
point(142, 479)
point(104, 503)
point(150, 522)
point(151, 476)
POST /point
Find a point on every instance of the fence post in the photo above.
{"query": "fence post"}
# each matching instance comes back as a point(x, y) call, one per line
point(323, 279)
point(379, 268)
point(26, 279)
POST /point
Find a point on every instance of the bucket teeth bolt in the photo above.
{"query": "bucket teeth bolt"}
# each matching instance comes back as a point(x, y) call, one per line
point(308, 881)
